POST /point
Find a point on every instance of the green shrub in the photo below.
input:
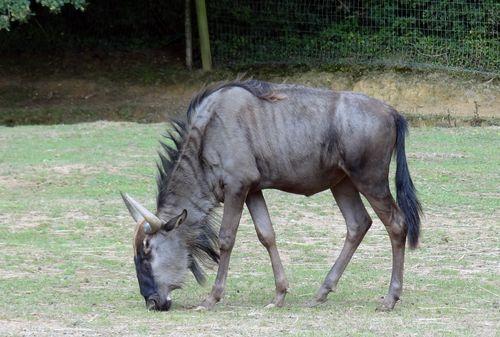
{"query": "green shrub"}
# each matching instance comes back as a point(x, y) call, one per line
point(458, 34)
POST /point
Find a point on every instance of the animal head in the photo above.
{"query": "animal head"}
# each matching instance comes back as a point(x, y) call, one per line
point(166, 248)
point(161, 257)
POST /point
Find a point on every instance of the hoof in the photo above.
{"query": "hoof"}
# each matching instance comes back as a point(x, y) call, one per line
point(270, 306)
point(383, 308)
point(316, 302)
point(207, 304)
point(320, 298)
point(278, 301)
point(387, 303)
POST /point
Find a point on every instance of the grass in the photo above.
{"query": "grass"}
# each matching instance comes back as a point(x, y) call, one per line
point(66, 257)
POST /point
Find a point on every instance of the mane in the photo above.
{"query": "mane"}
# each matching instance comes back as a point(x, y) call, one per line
point(174, 137)
point(202, 237)
point(259, 89)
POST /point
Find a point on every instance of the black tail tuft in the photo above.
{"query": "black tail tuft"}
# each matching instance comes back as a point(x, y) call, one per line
point(406, 192)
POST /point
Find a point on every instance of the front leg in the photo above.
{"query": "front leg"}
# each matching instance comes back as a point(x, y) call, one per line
point(265, 232)
point(233, 207)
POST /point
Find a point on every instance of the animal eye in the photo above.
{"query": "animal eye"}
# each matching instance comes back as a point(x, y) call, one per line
point(146, 267)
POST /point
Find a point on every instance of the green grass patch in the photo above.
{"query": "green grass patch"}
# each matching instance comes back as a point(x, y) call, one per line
point(66, 257)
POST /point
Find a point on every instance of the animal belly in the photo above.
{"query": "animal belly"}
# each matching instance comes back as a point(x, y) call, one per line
point(304, 184)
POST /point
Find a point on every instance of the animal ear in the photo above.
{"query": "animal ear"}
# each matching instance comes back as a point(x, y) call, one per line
point(181, 218)
point(175, 222)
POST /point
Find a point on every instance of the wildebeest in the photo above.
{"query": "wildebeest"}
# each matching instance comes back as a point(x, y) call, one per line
point(244, 136)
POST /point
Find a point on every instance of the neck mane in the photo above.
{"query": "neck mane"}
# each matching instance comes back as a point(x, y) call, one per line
point(181, 181)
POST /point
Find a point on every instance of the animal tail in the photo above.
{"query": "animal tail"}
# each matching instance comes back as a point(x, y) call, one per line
point(406, 192)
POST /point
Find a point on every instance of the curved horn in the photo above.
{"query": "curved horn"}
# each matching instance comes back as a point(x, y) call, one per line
point(132, 210)
point(152, 224)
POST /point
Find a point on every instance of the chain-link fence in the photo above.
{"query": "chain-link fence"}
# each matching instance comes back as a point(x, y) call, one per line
point(457, 34)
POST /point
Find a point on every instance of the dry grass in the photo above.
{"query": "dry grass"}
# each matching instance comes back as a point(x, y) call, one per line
point(66, 262)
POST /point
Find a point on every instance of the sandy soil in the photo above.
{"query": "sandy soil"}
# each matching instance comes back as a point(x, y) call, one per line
point(134, 92)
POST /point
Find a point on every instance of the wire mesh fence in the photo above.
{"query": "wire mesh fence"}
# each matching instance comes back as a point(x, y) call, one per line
point(457, 34)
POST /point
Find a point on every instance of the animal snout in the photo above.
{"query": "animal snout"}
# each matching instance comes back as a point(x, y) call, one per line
point(167, 305)
point(154, 303)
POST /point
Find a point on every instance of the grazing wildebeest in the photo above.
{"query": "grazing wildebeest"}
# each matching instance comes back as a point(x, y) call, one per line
point(245, 136)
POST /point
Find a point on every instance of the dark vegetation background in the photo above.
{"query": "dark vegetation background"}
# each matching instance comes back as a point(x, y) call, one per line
point(124, 60)
point(460, 34)
point(108, 25)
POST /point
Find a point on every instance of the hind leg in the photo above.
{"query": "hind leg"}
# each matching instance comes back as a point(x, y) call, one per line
point(391, 217)
point(358, 222)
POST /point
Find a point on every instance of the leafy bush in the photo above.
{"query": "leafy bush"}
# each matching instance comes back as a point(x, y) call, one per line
point(458, 33)
point(20, 10)
point(105, 24)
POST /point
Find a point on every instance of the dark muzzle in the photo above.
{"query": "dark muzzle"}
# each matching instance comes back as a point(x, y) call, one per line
point(153, 303)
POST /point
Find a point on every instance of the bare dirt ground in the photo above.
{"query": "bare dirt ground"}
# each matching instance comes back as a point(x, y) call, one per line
point(417, 93)
point(146, 88)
